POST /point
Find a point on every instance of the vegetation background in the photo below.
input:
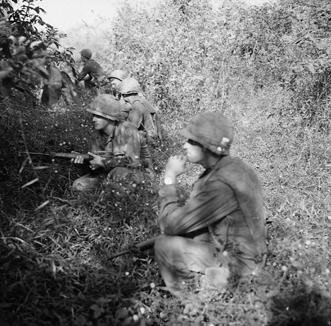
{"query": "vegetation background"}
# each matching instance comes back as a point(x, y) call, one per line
point(268, 68)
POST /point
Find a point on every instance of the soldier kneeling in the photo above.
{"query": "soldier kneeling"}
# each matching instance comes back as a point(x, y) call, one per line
point(125, 152)
point(219, 233)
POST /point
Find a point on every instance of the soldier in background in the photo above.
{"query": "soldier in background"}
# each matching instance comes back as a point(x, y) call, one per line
point(126, 153)
point(115, 79)
point(52, 88)
point(218, 235)
point(143, 114)
point(92, 73)
point(58, 83)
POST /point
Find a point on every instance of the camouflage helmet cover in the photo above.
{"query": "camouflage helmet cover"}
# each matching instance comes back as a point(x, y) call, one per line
point(86, 53)
point(106, 106)
point(212, 130)
point(119, 74)
point(129, 86)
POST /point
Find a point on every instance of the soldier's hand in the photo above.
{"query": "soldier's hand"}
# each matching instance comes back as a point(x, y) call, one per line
point(97, 161)
point(175, 166)
point(78, 159)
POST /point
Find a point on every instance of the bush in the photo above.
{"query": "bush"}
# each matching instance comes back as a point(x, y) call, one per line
point(250, 62)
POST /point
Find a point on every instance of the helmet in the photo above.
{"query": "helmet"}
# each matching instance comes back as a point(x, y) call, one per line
point(106, 106)
point(129, 86)
point(119, 74)
point(86, 53)
point(212, 130)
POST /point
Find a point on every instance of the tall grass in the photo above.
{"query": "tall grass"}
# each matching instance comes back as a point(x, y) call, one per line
point(54, 263)
point(55, 267)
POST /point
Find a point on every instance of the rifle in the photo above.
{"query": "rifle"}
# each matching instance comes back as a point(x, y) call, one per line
point(141, 246)
point(66, 155)
point(112, 160)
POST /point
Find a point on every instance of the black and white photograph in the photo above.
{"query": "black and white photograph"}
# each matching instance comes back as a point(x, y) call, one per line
point(165, 162)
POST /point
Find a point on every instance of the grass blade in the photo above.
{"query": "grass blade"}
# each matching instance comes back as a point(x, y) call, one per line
point(30, 183)
point(42, 205)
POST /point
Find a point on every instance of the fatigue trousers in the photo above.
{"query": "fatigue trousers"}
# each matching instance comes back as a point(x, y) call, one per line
point(181, 260)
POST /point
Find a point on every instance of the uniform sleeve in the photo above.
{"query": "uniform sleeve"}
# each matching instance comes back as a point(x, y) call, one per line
point(95, 70)
point(85, 71)
point(149, 125)
point(145, 154)
point(135, 117)
point(146, 119)
point(205, 206)
point(97, 142)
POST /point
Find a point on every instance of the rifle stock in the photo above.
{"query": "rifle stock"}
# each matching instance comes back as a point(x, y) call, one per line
point(141, 246)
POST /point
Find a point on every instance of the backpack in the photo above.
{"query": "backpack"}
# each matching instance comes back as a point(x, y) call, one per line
point(153, 113)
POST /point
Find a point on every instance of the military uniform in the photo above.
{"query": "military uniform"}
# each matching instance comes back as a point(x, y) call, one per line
point(143, 114)
point(111, 86)
point(94, 72)
point(125, 151)
point(220, 230)
point(91, 69)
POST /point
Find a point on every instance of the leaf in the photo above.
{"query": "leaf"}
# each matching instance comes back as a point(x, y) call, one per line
point(53, 268)
point(23, 165)
point(311, 68)
point(30, 183)
point(97, 311)
point(42, 167)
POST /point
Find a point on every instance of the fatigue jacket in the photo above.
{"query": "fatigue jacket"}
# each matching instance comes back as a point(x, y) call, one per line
point(225, 204)
point(141, 114)
point(131, 152)
point(93, 70)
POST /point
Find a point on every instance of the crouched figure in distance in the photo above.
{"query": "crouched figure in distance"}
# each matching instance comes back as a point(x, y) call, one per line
point(124, 149)
point(92, 73)
point(219, 233)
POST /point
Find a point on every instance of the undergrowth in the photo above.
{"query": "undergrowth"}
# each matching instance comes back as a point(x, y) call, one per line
point(267, 68)
point(56, 265)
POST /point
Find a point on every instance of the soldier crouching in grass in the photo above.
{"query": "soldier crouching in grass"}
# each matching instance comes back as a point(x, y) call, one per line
point(125, 152)
point(143, 115)
point(92, 73)
point(219, 233)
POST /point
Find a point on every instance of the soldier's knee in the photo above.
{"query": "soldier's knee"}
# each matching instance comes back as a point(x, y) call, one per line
point(168, 244)
point(159, 241)
point(85, 184)
point(217, 277)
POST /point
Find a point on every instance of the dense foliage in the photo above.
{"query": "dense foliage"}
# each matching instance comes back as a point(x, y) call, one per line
point(203, 55)
point(266, 67)
point(25, 40)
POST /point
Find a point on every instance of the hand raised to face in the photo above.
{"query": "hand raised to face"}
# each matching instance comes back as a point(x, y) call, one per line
point(175, 166)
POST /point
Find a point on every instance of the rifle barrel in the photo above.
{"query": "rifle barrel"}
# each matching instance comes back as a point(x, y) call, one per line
point(147, 244)
point(144, 245)
point(35, 153)
point(70, 155)
point(65, 155)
